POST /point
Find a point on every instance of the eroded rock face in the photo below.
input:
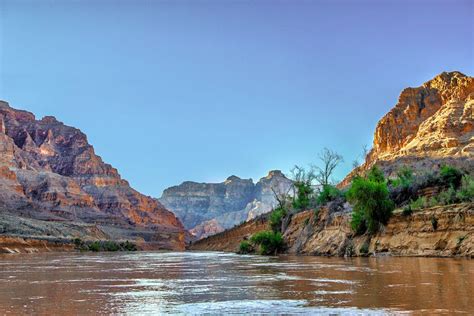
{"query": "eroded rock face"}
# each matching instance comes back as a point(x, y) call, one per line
point(430, 125)
point(209, 208)
point(328, 233)
point(434, 120)
point(49, 171)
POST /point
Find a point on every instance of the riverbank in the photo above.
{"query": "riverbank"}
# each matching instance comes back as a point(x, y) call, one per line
point(27, 245)
point(442, 231)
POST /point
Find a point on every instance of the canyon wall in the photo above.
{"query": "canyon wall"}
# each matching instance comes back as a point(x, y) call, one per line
point(49, 173)
point(430, 125)
point(209, 208)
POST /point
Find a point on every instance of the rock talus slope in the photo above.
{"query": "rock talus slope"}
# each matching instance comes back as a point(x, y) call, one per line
point(49, 172)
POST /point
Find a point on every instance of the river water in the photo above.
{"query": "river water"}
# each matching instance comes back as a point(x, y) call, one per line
point(223, 283)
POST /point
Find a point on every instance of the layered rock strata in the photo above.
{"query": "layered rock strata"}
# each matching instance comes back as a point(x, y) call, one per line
point(49, 172)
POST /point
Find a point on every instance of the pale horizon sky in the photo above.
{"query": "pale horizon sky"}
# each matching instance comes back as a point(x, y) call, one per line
point(169, 91)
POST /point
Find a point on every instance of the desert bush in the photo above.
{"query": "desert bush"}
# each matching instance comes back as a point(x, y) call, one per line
point(375, 175)
point(451, 176)
point(328, 193)
point(419, 203)
point(110, 246)
point(245, 247)
point(358, 223)
point(447, 197)
point(268, 242)
point(276, 217)
point(302, 199)
point(466, 191)
point(372, 205)
point(94, 246)
point(104, 245)
point(128, 246)
point(404, 178)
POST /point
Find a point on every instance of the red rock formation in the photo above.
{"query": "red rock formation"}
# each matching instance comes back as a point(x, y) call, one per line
point(49, 171)
point(430, 125)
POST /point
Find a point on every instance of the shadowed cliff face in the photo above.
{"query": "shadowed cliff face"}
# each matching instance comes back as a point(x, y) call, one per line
point(49, 171)
point(209, 208)
point(430, 125)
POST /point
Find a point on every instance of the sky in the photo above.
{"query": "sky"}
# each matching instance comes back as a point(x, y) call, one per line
point(169, 91)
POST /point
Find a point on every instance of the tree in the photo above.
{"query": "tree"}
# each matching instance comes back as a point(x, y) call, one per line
point(303, 186)
point(365, 151)
point(282, 197)
point(355, 163)
point(330, 160)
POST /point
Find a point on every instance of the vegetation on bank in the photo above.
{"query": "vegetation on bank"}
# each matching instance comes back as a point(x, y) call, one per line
point(266, 242)
point(103, 245)
point(372, 198)
point(372, 204)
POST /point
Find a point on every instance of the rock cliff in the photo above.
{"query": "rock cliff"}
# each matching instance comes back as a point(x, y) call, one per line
point(429, 126)
point(50, 173)
point(209, 208)
point(330, 234)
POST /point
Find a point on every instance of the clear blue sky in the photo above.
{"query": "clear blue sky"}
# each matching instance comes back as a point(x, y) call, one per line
point(169, 91)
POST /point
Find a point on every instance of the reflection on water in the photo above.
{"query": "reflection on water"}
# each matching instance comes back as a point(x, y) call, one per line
point(222, 283)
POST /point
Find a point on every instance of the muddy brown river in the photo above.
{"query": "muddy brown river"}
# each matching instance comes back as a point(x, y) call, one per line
point(187, 283)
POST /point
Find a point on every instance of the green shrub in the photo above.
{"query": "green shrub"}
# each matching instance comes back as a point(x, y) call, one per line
point(375, 175)
point(128, 246)
point(245, 247)
point(466, 191)
point(276, 217)
point(94, 246)
point(404, 178)
point(328, 193)
point(268, 242)
point(78, 242)
point(372, 205)
point(302, 199)
point(447, 197)
point(110, 246)
point(358, 223)
point(419, 203)
point(107, 245)
point(451, 176)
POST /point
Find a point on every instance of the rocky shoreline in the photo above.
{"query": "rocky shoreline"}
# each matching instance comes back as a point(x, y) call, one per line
point(412, 235)
point(12, 245)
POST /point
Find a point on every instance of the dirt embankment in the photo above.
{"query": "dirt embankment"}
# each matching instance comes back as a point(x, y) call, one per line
point(442, 231)
point(24, 245)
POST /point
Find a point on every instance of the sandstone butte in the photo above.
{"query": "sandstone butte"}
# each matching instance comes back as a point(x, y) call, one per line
point(54, 187)
point(430, 125)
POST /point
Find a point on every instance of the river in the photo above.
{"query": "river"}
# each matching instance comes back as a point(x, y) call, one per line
point(224, 283)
